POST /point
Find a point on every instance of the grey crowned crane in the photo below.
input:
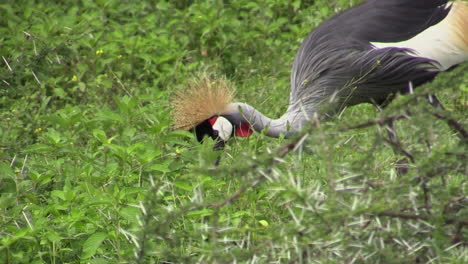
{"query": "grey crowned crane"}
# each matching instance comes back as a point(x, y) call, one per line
point(365, 54)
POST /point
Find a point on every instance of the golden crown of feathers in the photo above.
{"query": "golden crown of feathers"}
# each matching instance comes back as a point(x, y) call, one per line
point(201, 99)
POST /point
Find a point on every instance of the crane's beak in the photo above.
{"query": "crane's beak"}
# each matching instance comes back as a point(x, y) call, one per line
point(219, 145)
point(222, 132)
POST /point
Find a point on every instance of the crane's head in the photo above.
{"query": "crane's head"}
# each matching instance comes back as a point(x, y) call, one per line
point(216, 127)
point(219, 128)
point(200, 108)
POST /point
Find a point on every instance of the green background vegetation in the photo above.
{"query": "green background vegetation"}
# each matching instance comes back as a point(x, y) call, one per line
point(91, 172)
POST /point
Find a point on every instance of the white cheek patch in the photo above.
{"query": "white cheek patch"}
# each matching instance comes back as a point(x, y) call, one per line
point(224, 128)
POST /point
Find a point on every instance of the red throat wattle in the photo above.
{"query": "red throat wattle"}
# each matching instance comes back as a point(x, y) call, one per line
point(243, 130)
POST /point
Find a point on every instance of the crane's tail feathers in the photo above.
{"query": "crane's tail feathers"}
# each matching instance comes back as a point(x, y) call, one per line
point(446, 42)
point(203, 98)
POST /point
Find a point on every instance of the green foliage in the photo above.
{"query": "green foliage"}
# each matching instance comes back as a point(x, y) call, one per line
point(90, 171)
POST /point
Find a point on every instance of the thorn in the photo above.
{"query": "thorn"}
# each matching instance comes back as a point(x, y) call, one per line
point(342, 112)
point(453, 246)
point(13, 161)
point(8, 65)
point(27, 35)
point(143, 209)
point(410, 87)
point(24, 164)
point(27, 220)
point(35, 49)
point(35, 77)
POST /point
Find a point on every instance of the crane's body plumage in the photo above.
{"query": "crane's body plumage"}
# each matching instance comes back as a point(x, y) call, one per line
point(338, 60)
point(365, 54)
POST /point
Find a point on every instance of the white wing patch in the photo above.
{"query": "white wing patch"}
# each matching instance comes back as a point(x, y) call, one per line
point(445, 42)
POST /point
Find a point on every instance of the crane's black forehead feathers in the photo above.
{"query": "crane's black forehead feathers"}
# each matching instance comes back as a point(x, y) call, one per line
point(203, 129)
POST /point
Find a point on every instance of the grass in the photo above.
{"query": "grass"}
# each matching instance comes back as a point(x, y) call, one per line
point(91, 172)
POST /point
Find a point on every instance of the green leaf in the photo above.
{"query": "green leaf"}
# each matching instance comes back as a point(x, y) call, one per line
point(59, 194)
point(91, 244)
point(160, 167)
point(53, 136)
point(6, 171)
point(134, 190)
point(239, 214)
point(264, 223)
point(182, 133)
point(107, 115)
point(97, 261)
point(162, 5)
point(200, 213)
point(101, 136)
point(60, 93)
point(148, 155)
point(53, 236)
point(464, 87)
point(184, 186)
point(38, 148)
point(130, 213)
point(99, 201)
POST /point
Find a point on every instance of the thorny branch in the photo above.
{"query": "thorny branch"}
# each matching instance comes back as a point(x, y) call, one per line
point(462, 133)
point(462, 222)
point(291, 146)
point(397, 146)
point(287, 148)
point(282, 152)
point(380, 122)
point(237, 194)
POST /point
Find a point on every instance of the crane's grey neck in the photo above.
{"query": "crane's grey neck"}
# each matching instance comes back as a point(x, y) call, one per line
point(288, 124)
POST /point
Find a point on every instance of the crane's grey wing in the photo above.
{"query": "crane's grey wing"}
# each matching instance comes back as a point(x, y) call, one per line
point(338, 55)
point(384, 20)
point(346, 77)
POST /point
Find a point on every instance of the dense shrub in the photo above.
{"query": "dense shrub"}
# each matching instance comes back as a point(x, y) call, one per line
point(90, 171)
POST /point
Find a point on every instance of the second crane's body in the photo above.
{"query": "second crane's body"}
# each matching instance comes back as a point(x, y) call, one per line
point(364, 54)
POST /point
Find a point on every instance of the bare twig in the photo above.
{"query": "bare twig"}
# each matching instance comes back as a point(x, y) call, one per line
point(463, 134)
point(453, 204)
point(397, 146)
point(380, 122)
point(426, 193)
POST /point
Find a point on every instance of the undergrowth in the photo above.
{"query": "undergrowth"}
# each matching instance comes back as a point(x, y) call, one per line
point(91, 172)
